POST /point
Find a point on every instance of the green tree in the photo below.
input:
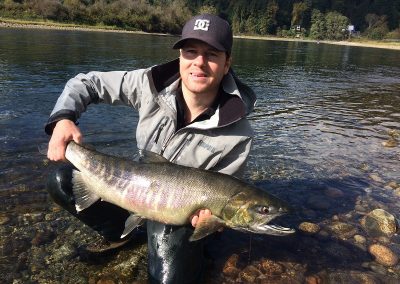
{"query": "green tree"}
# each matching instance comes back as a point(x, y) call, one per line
point(268, 22)
point(377, 26)
point(298, 13)
point(318, 25)
point(336, 26)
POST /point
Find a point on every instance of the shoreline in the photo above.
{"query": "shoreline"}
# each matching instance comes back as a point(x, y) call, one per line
point(6, 23)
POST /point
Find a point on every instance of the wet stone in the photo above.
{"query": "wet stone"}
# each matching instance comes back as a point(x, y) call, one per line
point(4, 220)
point(375, 177)
point(270, 267)
point(231, 271)
point(309, 228)
point(360, 239)
point(383, 255)
point(313, 279)
point(342, 230)
point(42, 238)
point(379, 223)
point(249, 274)
point(333, 192)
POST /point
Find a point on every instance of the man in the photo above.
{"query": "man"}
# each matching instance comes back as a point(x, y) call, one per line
point(192, 111)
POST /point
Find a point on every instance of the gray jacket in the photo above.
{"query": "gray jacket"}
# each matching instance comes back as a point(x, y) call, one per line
point(220, 143)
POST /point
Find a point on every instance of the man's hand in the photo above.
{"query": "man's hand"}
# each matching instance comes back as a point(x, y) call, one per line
point(202, 214)
point(64, 131)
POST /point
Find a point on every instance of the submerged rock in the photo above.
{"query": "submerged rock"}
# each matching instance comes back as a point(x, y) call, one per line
point(309, 228)
point(342, 230)
point(383, 255)
point(379, 223)
point(333, 192)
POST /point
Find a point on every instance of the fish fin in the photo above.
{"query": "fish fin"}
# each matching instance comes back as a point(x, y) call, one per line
point(206, 227)
point(131, 223)
point(151, 157)
point(83, 197)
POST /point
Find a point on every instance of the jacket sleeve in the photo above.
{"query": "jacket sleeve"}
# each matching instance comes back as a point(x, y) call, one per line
point(234, 163)
point(116, 88)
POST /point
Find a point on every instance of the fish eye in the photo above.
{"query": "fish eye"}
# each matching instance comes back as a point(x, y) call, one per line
point(263, 209)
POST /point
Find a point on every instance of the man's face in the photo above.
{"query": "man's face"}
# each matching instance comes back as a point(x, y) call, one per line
point(202, 67)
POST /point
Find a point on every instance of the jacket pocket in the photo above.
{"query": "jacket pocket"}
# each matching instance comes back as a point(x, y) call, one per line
point(175, 157)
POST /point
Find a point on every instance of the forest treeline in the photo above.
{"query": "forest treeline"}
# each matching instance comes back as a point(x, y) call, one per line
point(317, 19)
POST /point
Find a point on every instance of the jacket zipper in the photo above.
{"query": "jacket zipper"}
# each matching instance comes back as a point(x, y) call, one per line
point(160, 128)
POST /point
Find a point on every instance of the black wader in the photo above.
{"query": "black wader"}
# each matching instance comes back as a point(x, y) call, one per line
point(171, 257)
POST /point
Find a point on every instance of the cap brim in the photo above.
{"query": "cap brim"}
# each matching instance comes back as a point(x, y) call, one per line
point(180, 43)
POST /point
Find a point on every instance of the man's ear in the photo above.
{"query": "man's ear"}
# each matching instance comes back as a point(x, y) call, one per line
point(228, 64)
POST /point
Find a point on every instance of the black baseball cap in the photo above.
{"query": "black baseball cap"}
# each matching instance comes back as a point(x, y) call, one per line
point(210, 29)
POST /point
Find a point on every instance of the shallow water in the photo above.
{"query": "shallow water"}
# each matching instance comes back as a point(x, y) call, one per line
point(322, 115)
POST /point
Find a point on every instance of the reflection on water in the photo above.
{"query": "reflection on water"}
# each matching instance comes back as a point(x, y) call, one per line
point(323, 116)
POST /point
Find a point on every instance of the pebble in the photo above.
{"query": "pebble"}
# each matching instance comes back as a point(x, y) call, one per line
point(383, 255)
point(342, 230)
point(379, 223)
point(4, 220)
point(333, 192)
point(360, 239)
point(313, 279)
point(375, 177)
point(309, 228)
point(230, 268)
point(270, 267)
point(249, 274)
point(390, 143)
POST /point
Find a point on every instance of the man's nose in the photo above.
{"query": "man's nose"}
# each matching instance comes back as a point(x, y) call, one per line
point(200, 60)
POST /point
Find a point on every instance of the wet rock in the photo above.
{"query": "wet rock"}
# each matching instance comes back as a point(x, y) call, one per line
point(360, 239)
point(230, 268)
point(42, 238)
point(309, 228)
point(333, 192)
point(375, 177)
point(270, 267)
point(350, 277)
point(4, 220)
point(318, 203)
point(231, 271)
point(313, 279)
point(390, 143)
point(30, 218)
point(391, 185)
point(249, 274)
point(342, 230)
point(383, 255)
point(378, 268)
point(66, 251)
point(379, 223)
point(360, 209)
point(337, 251)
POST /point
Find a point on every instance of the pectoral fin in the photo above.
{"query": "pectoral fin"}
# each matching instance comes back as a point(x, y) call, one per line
point(83, 197)
point(131, 223)
point(206, 227)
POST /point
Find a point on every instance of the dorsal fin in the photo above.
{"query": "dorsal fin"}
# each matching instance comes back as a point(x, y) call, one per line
point(151, 157)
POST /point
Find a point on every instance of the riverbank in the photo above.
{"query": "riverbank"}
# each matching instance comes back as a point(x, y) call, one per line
point(10, 23)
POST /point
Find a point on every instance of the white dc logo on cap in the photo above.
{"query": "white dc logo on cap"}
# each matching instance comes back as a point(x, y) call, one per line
point(201, 25)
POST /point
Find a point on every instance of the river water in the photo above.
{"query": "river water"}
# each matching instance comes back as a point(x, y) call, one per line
point(327, 123)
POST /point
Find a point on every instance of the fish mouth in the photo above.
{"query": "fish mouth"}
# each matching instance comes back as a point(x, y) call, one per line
point(275, 230)
point(270, 229)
